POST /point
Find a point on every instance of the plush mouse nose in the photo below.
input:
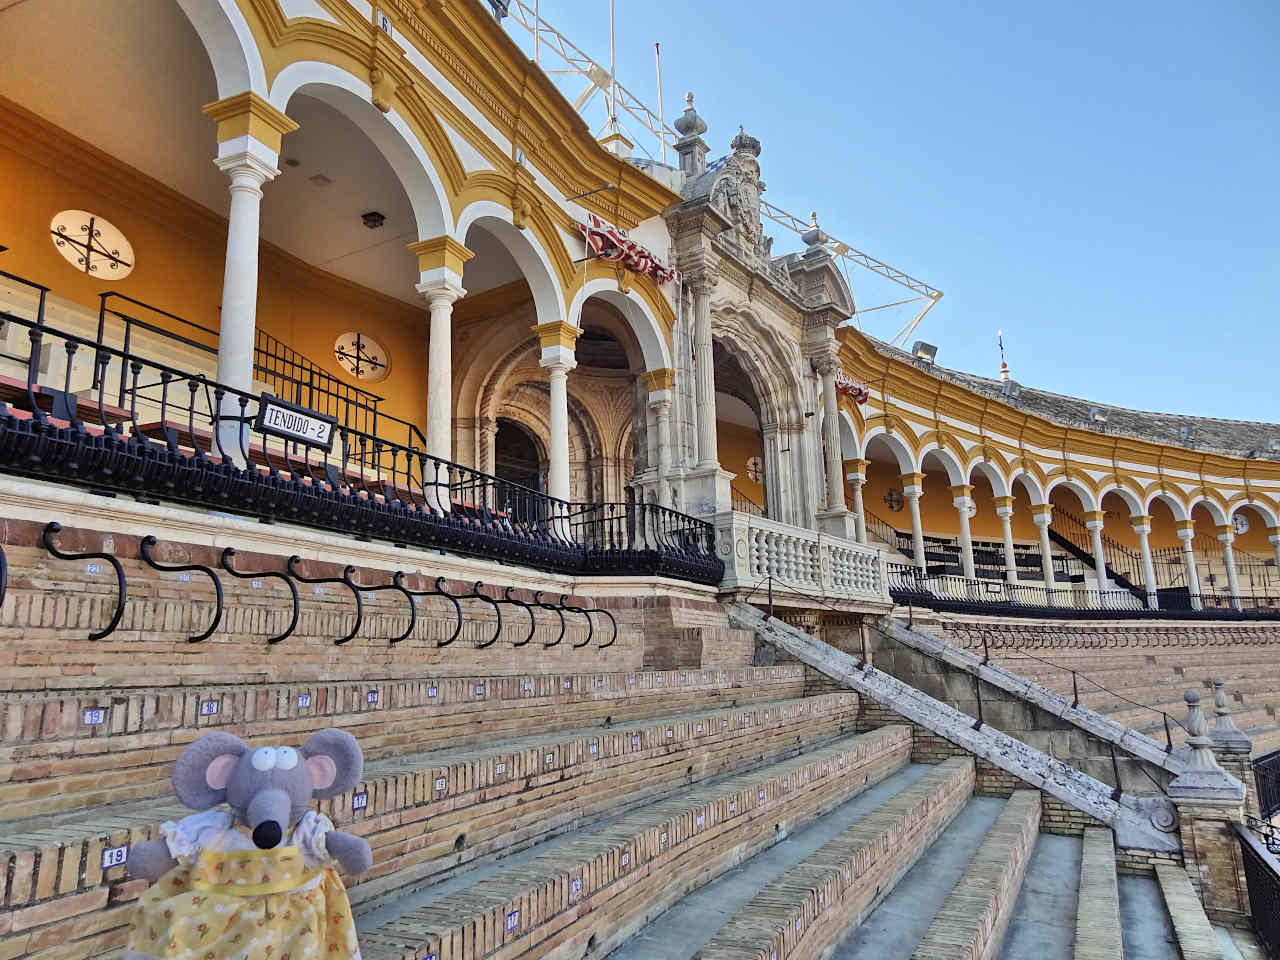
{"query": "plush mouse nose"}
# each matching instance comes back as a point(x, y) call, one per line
point(267, 835)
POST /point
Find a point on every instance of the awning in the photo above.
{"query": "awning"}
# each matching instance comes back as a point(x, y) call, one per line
point(607, 242)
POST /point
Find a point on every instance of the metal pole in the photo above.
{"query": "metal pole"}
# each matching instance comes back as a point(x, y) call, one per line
point(613, 78)
point(1117, 793)
point(537, 54)
point(770, 596)
point(977, 690)
point(662, 127)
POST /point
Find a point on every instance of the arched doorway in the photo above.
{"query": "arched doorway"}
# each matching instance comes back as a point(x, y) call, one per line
point(516, 455)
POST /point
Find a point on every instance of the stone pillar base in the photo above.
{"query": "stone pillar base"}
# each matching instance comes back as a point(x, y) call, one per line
point(707, 492)
point(837, 523)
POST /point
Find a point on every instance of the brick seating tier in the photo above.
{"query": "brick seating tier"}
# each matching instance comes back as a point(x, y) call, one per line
point(425, 814)
point(62, 752)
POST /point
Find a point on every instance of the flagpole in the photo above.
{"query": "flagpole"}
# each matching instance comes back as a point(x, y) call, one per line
point(662, 127)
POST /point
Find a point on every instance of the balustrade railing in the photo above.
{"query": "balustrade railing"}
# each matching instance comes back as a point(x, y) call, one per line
point(1262, 878)
point(1266, 771)
point(754, 548)
point(156, 431)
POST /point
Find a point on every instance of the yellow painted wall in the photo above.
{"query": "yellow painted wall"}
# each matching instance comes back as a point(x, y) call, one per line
point(736, 445)
point(179, 248)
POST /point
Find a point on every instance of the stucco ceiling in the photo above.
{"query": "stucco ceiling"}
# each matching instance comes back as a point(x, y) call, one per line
point(131, 79)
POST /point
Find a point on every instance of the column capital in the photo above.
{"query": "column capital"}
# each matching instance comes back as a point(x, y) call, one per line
point(1003, 502)
point(247, 116)
point(1274, 539)
point(1140, 523)
point(558, 360)
point(1095, 516)
point(247, 170)
point(557, 334)
point(440, 258)
point(962, 491)
point(441, 292)
point(657, 381)
point(1004, 512)
point(1041, 520)
point(915, 480)
point(660, 402)
point(1186, 535)
point(1187, 526)
point(1226, 534)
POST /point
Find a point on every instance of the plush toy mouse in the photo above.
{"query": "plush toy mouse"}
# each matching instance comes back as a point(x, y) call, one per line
point(257, 882)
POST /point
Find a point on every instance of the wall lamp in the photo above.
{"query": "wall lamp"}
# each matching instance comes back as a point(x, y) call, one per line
point(924, 351)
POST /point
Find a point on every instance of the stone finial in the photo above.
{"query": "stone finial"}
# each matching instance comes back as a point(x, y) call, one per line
point(745, 143)
point(814, 236)
point(1226, 736)
point(689, 123)
point(691, 148)
point(1203, 779)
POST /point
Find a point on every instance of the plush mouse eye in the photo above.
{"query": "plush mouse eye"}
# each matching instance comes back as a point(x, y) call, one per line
point(264, 759)
point(286, 758)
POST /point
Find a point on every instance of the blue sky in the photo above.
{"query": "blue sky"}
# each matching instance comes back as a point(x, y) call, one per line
point(1099, 179)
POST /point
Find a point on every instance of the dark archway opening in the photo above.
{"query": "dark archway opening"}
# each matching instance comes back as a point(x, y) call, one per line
point(515, 455)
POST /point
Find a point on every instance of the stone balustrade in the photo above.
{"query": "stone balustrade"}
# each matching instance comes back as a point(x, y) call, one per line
point(800, 560)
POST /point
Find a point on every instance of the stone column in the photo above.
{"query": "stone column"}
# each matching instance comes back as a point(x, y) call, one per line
point(1209, 802)
point(558, 339)
point(962, 499)
point(704, 373)
point(826, 368)
point(249, 133)
point(1186, 533)
point(1093, 521)
point(1042, 515)
point(660, 384)
point(1226, 537)
point(856, 479)
point(440, 297)
point(1004, 510)
point(487, 456)
point(1142, 527)
point(912, 487)
point(1274, 540)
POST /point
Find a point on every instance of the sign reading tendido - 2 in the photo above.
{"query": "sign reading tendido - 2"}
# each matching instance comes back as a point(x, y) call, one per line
point(290, 422)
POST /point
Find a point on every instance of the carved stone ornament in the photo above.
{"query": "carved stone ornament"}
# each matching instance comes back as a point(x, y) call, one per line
point(737, 196)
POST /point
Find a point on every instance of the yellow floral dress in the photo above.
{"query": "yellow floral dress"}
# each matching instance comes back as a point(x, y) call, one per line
point(228, 900)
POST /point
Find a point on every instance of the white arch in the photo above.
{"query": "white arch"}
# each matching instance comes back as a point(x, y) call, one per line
point(1000, 487)
point(1269, 516)
point(955, 472)
point(393, 137)
point(1086, 498)
point(524, 248)
point(1035, 493)
point(1179, 510)
point(227, 39)
point(1131, 499)
point(848, 437)
point(897, 446)
point(1215, 512)
point(647, 330)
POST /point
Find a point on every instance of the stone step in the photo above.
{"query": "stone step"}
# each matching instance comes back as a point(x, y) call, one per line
point(973, 920)
point(894, 928)
point(1144, 922)
point(700, 913)
point(1098, 934)
point(1196, 939)
point(67, 752)
point(1043, 923)
point(578, 895)
point(812, 906)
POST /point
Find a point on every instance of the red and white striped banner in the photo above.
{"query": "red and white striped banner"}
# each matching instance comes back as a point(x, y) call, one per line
point(607, 242)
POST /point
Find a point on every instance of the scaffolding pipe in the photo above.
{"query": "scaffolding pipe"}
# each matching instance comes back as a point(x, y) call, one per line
point(662, 139)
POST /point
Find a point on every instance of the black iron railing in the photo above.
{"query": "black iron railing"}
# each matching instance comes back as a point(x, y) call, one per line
point(744, 504)
point(945, 592)
point(1262, 878)
point(158, 432)
point(1123, 565)
point(1266, 771)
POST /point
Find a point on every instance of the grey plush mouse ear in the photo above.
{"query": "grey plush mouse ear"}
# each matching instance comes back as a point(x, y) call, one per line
point(335, 761)
point(200, 776)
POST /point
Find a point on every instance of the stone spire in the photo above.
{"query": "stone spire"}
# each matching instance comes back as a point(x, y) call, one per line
point(691, 148)
point(1226, 735)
